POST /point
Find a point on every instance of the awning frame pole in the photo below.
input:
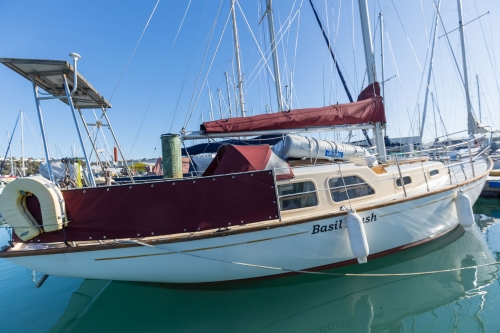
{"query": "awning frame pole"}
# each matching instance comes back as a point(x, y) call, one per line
point(118, 146)
point(42, 128)
point(98, 160)
point(71, 106)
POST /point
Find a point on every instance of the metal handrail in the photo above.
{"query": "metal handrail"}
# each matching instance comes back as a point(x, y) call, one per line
point(449, 167)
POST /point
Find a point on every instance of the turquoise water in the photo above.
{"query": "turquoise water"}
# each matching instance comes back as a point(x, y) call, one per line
point(453, 301)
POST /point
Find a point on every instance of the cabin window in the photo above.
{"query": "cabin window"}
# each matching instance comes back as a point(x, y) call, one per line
point(297, 195)
point(406, 181)
point(356, 188)
point(433, 172)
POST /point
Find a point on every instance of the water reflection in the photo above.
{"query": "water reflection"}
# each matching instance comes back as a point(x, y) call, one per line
point(488, 219)
point(304, 303)
point(489, 207)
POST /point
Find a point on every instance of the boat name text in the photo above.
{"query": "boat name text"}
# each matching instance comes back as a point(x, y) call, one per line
point(317, 228)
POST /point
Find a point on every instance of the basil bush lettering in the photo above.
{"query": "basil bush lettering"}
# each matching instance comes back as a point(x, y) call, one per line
point(317, 228)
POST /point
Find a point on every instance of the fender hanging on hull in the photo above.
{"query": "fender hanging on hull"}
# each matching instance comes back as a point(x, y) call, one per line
point(464, 211)
point(357, 236)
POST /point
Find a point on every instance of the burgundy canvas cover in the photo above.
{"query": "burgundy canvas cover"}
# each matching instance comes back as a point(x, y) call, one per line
point(163, 208)
point(363, 111)
point(233, 159)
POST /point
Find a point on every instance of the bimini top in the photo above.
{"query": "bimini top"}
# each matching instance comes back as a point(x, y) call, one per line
point(49, 76)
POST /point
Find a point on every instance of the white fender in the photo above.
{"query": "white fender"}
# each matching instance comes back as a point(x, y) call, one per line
point(357, 236)
point(464, 211)
point(16, 214)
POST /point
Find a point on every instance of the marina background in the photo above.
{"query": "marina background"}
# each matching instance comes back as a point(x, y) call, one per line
point(153, 91)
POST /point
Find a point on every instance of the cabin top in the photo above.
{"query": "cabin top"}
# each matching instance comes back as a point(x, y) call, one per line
point(324, 188)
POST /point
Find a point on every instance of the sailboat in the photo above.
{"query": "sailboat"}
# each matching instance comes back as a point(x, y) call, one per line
point(255, 212)
point(300, 303)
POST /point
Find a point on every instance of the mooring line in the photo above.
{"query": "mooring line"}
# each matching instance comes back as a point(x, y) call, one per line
point(316, 273)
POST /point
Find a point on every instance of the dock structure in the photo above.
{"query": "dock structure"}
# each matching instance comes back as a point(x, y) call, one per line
point(491, 187)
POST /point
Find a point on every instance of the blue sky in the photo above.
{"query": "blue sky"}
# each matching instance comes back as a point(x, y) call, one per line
point(164, 79)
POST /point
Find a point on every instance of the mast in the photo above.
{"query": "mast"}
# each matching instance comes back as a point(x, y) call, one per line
point(211, 108)
point(22, 144)
point(274, 52)
point(478, 98)
point(434, 112)
point(471, 122)
point(220, 102)
point(382, 84)
point(228, 95)
point(424, 114)
point(367, 42)
point(238, 63)
point(381, 15)
point(372, 77)
point(12, 172)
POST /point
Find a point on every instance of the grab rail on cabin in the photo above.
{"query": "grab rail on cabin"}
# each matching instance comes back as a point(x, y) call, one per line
point(304, 198)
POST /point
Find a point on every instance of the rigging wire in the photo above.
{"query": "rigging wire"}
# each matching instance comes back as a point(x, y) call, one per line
point(295, 55)
point(159, 77)
point(103, 136)
point(133, 52)
point(477, 69)
point(288, 72)
point(351, 26)
point(335, 49)
point(407, 37)
point(255, 40)
point(167, 250)
point(323, 66)
point(425, 26)
point(280, 33)
point(493, 64)
point(440, 117)
point(184, 81)
point(208, 70)
point(453, 55)
point(35, 135)
point(269, 74)
point(284, 76)
point(399, 79)
point(259, 90)
point(205, 54)
point(422, 78)
point(331, 52)
point(10, 141)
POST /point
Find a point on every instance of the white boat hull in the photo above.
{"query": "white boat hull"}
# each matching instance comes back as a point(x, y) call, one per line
point(316, 244)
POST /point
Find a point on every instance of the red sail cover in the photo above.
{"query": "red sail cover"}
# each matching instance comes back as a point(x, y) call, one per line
point(368, 110)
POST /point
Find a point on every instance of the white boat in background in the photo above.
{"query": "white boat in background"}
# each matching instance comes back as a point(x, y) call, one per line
point(4, 180)
point(251, 214)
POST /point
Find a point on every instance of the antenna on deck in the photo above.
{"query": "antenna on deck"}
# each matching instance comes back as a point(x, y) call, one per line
point(75, 57)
